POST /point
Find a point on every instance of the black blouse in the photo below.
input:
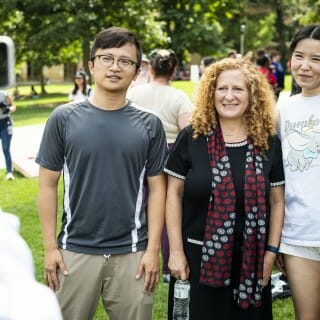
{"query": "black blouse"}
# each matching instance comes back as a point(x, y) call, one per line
point(189, 161)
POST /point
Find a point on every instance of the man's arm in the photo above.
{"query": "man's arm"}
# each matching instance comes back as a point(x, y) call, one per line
point(47, 207)
point(150, 263)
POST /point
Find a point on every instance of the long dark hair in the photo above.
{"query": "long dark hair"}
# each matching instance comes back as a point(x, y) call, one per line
point(76, 88)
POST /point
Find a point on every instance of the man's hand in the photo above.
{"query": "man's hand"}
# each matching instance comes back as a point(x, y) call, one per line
point(52, 261)
point(150, 265)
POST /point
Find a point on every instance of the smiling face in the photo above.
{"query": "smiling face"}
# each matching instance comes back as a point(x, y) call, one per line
point(305, 66)
point(79, 81)
point(231, 95)
point(114, 78)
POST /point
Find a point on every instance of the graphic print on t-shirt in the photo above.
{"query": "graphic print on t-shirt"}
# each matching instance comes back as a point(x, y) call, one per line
point(303, 137)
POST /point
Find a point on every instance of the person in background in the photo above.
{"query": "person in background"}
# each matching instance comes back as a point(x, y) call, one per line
point(144, 74)
point(263, 65)
point(33, 93)
point(81, 88)
point(6, 128)
point(108, 245)
point(278, 71)
point(300, 135)
point(232, 54)
point(225, 196)
point(205, 63)
point(172, 106)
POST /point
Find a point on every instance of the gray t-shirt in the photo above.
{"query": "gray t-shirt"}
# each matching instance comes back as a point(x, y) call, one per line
point(105, 156)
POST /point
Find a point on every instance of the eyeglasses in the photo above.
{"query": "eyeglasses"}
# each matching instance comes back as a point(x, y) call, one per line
point(108, 61)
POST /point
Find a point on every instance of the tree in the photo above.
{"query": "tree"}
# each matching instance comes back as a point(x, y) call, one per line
point(49, 32)
point(60, 32)
point(197, 26)
point(310, 11)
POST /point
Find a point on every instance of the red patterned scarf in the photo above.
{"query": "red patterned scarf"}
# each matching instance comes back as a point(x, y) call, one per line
point(218, 241)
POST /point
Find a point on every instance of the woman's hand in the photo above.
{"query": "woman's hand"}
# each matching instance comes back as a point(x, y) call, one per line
point(268, 263)
point(178, 265)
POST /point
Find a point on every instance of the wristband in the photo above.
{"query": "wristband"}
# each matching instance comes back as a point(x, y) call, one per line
point(273, 249)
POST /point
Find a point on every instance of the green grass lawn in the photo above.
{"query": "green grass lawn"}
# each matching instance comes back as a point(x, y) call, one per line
point(20, 196)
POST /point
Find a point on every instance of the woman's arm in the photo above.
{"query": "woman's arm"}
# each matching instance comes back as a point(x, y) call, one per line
point(276, 223)
point(177, 262)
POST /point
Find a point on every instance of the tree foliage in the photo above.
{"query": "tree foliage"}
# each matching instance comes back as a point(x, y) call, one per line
point(198, 26)
point(49, 32)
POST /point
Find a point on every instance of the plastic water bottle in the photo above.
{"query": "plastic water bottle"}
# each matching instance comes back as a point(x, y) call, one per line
point(181, 300)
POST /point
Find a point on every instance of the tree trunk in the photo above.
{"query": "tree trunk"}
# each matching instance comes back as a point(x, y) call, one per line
point(86, 56)
point(280, 27)
point(42, 83)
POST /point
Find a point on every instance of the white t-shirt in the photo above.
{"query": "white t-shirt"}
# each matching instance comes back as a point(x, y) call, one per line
point(21, 296)
point(79, 94)
point(300, 137)
point(167, 102)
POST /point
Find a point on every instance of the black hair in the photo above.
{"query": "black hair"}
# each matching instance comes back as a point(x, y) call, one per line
point(232, 53)
point(263, 61)
point(207, 61)
point(83, 75)
point(311, 31)
point(116, 37)
point(163, 62)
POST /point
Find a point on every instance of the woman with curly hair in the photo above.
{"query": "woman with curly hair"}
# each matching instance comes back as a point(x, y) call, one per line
point(225, 198)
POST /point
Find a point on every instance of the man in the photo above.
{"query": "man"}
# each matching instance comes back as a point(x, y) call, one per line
point(107, 246)
point(278, 71)
point(205, 63)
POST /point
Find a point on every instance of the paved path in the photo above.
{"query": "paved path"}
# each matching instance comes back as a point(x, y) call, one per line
point(24, 147)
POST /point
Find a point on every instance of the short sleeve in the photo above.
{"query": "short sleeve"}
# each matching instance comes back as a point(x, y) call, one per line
point(277, 173)
point(185, 105)
point(51, 151)
point(158, 150)
point(178, 162)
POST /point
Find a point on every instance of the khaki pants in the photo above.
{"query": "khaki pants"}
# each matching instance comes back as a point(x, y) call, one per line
point(112, 278)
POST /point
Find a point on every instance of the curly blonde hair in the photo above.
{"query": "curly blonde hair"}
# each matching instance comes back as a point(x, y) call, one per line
point(260, 116)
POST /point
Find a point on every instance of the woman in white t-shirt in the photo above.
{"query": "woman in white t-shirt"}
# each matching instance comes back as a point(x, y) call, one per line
point(172, 106)
point(81, 88)
point(300, 137)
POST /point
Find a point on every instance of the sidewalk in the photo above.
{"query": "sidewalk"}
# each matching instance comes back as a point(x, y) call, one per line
point(24, 147)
